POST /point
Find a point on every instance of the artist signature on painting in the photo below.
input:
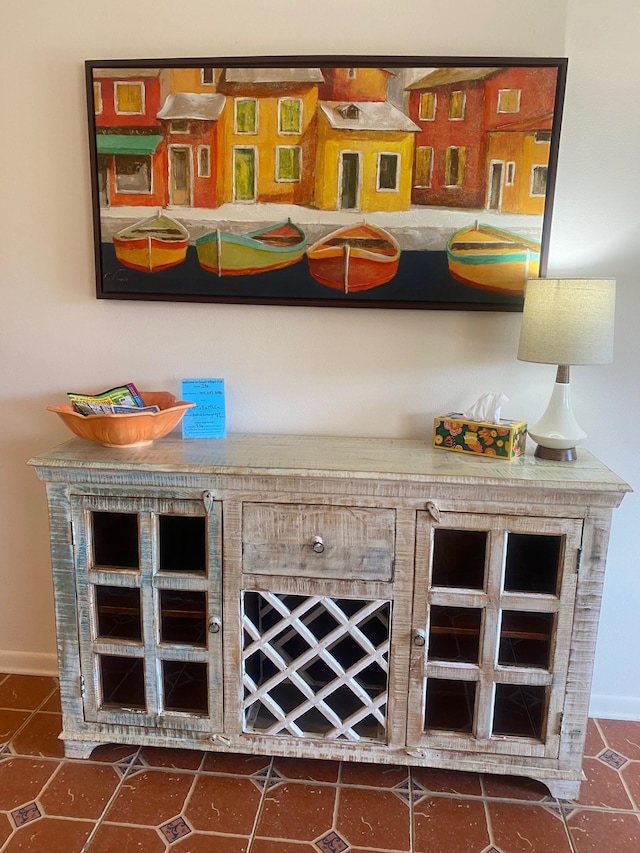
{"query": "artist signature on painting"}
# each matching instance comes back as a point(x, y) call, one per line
point(118, 275)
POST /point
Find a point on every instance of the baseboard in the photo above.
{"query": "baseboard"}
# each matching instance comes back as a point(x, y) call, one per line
point(615, 707)
point(28, 663)
point(38, 663)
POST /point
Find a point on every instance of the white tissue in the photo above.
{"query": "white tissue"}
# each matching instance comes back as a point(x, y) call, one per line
point(487, 407)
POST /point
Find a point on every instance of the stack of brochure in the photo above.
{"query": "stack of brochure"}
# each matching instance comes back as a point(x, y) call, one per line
point(125, 399)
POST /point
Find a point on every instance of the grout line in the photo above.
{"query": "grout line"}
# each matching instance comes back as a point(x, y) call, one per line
point(412, 829)
point(256, 820)
point(183, 811)
point(110, 801)
point(487, 817)
point(565, 821)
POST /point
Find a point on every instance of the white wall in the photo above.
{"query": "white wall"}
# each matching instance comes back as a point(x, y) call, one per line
point(307, 370)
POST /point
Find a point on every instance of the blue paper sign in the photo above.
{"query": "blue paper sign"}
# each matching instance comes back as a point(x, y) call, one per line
point(207, 418)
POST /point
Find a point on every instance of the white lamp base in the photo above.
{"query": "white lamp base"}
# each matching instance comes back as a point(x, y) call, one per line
point(557, 432)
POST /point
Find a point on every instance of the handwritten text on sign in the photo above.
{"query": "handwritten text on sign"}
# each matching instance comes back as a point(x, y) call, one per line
point(207, 419)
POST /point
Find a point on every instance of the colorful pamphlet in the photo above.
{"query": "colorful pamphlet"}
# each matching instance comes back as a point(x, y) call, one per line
point(105, 403)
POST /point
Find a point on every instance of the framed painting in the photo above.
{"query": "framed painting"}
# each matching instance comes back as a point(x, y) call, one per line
point(396, 182)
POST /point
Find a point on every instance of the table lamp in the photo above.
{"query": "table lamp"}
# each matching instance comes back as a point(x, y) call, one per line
point(565, 321)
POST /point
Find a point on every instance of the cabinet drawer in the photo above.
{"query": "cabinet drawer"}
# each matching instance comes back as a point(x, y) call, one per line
point(318, 541)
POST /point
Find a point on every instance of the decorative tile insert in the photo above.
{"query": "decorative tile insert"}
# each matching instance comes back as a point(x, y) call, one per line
point(25, 814)
point(331, 843)
point(175, 829)
point(403, 791)
point(613, 759)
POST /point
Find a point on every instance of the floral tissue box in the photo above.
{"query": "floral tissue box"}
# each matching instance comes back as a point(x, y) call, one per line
point(504, 440)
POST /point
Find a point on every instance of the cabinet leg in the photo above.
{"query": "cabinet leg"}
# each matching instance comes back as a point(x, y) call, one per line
point(562, 789)
point(79, 748)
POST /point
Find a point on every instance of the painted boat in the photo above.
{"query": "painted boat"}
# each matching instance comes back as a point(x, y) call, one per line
point(354, 258)
point(152, 244)
point(268, 248)
point(493, 259)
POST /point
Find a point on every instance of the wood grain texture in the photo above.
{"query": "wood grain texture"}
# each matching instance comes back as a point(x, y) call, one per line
point(264, 500)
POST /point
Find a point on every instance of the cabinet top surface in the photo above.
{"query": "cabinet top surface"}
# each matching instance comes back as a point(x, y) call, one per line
point(329, 456)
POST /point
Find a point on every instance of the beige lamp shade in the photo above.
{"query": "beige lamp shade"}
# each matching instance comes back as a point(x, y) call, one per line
point(568, 321)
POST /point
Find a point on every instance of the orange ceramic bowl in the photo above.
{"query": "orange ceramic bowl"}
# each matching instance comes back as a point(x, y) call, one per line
point(127, 430)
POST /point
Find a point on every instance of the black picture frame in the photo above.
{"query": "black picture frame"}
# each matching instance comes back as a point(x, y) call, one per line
point(348, 181)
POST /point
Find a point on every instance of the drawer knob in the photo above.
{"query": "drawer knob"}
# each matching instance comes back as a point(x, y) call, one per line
point(215, 625)
point(419, 638)
point(318, 544)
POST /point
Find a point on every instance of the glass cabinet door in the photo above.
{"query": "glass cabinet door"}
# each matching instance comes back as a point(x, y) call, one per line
point(149, 608)
point(492, 621)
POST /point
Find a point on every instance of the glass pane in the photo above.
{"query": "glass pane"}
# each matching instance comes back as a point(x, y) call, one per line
point(450, 705)
point(454, 634)
point(519, 710)
point(115, 540)
point(118, 612)
point(183, 543)
point(459, 558)
point(122, 682)
point(185, 686)
point(533, 563)
point(525, 639)
point(183, 617)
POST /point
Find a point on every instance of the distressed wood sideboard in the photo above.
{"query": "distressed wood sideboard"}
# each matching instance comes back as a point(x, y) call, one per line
point(359, 599)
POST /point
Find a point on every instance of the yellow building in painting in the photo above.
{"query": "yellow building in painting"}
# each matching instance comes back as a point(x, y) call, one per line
point(364, 157)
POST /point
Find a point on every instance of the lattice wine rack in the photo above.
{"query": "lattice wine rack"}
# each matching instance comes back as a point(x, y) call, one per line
point(314, 666)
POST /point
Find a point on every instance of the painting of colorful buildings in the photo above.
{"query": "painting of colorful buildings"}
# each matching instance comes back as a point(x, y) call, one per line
point(235, 153)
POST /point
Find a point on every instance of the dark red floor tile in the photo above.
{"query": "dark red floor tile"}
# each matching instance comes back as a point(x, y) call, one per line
point(50, 834)
point(306, 769)
point(6, 828)
point(527, 828)
point(604, 832)
point(10, 722)
point(114, 753)
point(126, 839)
point(22, 779)
point(26, 692)
point(594, 744)
point(235, 763)
point(80, 790)
point(373, 775)
point(196, 843)
point(623, 736)
point(631, 775)
point(224, 804)
point(40, 736)
point(297, 811)
point(373, 818)
point(450, 825)
point(53, 703)
point(150, 798)
point(514, 788)
point(446, 781)
point(177, 759)
point(603, 787)
point(268, 845)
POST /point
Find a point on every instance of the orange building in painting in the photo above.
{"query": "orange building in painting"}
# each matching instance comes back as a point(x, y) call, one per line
point(354, 84)
point(268, 134)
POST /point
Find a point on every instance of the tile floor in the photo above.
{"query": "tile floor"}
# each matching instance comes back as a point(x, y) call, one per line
point(151, 800)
